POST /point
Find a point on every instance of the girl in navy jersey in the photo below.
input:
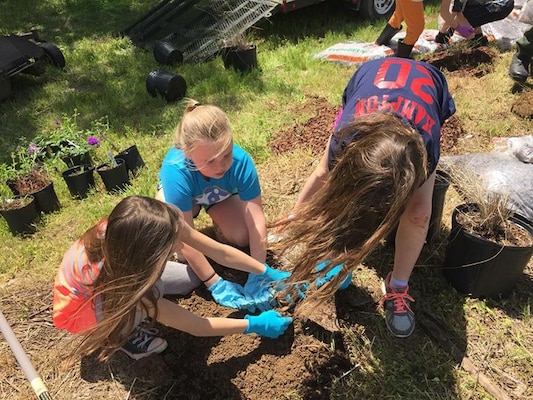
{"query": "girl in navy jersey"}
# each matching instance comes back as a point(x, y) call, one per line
point(377, 172)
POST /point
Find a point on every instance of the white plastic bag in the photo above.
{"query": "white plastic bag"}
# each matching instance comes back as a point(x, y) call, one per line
point(502, 173)
point(522, 148)
point(526, 13)
point(505, 31)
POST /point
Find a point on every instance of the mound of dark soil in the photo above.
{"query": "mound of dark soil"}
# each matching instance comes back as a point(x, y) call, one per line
point(523, 106)
point(464, 60)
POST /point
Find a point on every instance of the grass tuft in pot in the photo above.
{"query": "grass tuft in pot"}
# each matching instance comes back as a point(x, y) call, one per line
point(490, 216)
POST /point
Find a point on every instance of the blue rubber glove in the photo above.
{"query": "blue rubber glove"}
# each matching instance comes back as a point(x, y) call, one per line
point(261, 290)
point(229, 294)
point(332, 274)
point(302, 287)
point(268, 276)
point(269, 323)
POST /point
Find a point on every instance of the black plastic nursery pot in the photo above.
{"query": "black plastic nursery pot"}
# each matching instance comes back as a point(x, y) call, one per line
point(133, 159)
point(442, 183)
point(46, 199)
point(77, 159)
point(241, 59)
point(115, 178)
point(166, 53)
point(170, 86)
point(481, 268)
point(21, 220)
point(79, 179)
point(12, 185)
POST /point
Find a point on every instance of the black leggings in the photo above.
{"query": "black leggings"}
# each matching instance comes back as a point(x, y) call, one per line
point(478, 14)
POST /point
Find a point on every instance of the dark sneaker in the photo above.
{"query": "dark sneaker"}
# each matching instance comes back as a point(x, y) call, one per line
point(144, 343)
point(399, 316)
point(518, 70)
point(444, 37)
point(479, 40)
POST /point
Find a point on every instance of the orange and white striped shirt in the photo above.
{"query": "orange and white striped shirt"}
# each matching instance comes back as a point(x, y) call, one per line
point(73, 308)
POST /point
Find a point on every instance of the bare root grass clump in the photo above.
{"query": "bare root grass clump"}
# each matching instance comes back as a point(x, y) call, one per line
point(490, 211)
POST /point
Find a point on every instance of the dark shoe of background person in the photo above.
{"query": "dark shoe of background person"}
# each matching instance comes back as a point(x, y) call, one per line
point(518, 70)
point(444, 37)
point(403, 50)
point(387, 34)
point(479, 40)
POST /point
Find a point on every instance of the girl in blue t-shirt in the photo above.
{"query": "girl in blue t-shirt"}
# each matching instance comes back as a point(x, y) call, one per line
point(205, 169)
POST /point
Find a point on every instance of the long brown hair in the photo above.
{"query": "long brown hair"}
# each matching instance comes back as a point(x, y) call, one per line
point(135, 245)
point(361, 202)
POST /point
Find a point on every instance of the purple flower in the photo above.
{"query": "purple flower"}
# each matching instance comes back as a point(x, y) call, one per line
point(93, 141)
point(33, 149)
point(57, 122)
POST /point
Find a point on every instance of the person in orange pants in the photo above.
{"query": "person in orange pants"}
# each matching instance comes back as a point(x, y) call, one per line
point(412, 12)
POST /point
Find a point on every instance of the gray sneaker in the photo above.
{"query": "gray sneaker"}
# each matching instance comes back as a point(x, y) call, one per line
point(144, 343)
point(399, 316)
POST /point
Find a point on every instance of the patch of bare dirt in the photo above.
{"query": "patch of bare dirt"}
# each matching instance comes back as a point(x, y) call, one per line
point(523, 106)
point(304, 361)
point(463, 60)
point(314, 132)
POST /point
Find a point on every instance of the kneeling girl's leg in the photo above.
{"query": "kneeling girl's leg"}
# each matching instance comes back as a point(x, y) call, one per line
point(177, 279)
point(228, 216)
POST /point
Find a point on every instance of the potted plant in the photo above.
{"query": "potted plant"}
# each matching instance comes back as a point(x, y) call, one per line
point(114, 174)
point(239, 53)
point(26, 175)
point(133, 159)
point(20, 212)
point(79, 180)
point(489, 245)
point(112, 170)
point(65, 140)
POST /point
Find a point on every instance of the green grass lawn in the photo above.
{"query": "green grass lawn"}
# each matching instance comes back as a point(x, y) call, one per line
point(105, 77)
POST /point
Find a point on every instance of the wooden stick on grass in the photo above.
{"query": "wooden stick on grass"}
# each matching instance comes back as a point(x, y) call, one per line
point(32, 376)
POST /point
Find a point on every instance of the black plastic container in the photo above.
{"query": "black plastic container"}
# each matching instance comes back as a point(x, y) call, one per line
point(481, 268)
point(241, 59)
point(115, 178)
point(22, 220)
point(77, 159)
point(79, 179)
point(442, 183)
point(166, 53)
point(46, 199)
point(133, 159)
point(170, 86)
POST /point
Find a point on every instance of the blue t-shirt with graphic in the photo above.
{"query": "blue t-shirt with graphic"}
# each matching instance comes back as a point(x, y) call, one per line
point(414, 90)
point(184, 186)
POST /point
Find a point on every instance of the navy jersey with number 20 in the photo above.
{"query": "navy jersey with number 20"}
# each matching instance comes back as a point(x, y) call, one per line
point(414, 90)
